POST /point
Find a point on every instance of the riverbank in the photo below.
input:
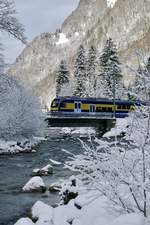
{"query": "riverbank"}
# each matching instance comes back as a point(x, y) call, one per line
point(23, 145)
point(86, 209)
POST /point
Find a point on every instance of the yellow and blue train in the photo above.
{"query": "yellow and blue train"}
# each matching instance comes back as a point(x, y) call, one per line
point(75, 106)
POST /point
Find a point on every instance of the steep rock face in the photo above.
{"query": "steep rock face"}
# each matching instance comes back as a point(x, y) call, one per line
point(126, 21)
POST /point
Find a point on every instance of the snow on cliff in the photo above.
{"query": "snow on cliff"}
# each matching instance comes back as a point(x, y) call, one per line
point(111, 3)
point(62, 39)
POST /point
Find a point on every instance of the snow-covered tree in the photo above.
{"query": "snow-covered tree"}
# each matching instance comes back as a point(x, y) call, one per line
point(91, 77)
point(80, 73)
point(139, 89)
point(9, 24)
point(111, 71)
point(62, 76)
point(20, 111)
point(8, 21)
point(120, 169)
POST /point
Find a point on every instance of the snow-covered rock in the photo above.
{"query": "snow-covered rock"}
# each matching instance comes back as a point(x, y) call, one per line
point(42, 212)
point(45, 171)
point(24, 221)
point(35, 184)
point(55, 187)
point(55, 163)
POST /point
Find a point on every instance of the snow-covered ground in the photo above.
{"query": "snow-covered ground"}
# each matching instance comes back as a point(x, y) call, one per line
point(95, 210)
point(119, 128)
point(25, 145)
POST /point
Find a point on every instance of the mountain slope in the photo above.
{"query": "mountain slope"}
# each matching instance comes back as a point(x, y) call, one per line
point(126, 21)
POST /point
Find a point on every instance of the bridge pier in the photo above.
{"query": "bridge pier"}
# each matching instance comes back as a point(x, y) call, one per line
point(104, 126)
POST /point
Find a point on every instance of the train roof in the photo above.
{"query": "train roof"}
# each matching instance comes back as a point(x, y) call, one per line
point(75, 98)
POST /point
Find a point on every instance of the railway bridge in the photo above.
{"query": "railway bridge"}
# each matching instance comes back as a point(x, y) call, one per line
point(101, 123)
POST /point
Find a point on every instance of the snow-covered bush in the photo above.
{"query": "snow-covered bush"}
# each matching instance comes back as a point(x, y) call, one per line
point(20, 112)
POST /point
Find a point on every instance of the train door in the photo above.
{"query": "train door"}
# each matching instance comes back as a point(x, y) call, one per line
point(77, 107)
point(92, 108)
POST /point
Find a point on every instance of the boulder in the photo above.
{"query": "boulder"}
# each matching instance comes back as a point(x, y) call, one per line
point(35, 184)
point(24, 221)
point(55, 187)
point(45, 171)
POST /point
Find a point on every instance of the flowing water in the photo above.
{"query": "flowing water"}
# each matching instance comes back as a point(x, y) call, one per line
point(15, 171)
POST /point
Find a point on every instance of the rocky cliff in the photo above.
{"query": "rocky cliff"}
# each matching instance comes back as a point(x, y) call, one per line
point(127, 22)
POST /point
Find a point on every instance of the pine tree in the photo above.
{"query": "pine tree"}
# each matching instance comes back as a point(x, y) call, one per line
point(91, 64)
point(110, 70)
point(62, 76)
point(79, 73)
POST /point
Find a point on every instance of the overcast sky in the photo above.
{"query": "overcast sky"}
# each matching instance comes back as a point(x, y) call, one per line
point(37, 16)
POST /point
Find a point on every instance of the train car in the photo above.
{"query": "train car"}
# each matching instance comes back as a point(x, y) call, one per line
point(75, 106)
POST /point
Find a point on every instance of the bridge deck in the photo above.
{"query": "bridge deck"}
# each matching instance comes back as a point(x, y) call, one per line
point(79, 121)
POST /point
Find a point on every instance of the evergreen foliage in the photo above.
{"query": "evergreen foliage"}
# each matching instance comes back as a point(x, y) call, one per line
point(110, 70)
point(91, 65)
point(62, 76)
point(79, 73)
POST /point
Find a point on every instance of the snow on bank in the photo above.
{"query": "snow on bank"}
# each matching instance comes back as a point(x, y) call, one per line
point(78, 130)
point(95, 212)
point(119, 128)
point(25, 145)
point(62, 39)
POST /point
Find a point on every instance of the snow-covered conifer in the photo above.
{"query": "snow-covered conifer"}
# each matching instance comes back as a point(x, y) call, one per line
point(62, 76)
point(111, 71)
point(91, 77)
point(80, 73)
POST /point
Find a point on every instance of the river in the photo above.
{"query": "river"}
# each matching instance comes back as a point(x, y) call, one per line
point(15, 171)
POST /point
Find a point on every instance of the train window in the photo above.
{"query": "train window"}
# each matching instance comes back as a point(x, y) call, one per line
point(123, 106)
point(98, 109)
point(104, 109)
point(109, 109)
point(119, 107)
point(128, 106)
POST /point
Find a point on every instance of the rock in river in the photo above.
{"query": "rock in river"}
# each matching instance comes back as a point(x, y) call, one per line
point(35, 184)
point(45, 171)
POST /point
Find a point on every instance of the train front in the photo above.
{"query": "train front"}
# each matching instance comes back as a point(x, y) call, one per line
point(55, 106)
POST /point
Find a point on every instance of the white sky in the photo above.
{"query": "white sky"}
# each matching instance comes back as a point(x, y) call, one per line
point(37, 16)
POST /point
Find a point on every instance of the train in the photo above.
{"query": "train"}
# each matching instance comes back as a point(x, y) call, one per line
point(76, 106)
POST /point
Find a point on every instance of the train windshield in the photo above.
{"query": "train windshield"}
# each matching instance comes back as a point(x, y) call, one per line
point(55, 103)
